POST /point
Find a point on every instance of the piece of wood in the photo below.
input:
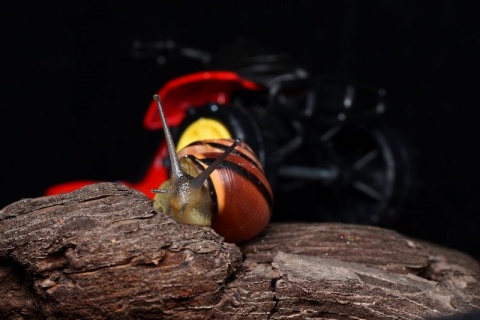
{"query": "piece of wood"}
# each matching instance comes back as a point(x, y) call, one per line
point(102, 252)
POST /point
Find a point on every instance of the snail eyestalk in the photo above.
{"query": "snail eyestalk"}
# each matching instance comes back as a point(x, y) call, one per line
point(177, 172)
point(200, 179)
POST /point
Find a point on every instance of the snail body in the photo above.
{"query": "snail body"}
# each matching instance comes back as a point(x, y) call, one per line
point(218, 183)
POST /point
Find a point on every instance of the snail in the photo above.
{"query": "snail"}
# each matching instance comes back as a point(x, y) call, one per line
point(218, 183)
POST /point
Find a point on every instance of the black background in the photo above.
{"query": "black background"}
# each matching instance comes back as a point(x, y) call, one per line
point(73, 99)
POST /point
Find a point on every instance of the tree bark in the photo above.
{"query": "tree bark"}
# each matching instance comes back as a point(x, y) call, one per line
point(103, 252)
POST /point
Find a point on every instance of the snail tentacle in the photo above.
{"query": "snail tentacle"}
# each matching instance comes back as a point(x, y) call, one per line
point(176, 170)
point(198, 181)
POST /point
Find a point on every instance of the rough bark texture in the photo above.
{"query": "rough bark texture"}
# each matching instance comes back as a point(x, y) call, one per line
point(102, 252)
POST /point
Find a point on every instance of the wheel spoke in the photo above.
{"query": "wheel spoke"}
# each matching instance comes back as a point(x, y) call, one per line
point(330, 133)
point(366, 159)
point(368, 190)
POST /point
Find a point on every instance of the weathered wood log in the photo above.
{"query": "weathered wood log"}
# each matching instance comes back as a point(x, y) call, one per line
point(102, 252)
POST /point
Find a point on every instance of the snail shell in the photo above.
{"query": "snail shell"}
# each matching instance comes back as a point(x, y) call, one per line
point(241, 196)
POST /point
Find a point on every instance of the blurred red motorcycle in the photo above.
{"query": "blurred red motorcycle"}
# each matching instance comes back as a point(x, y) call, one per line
point(326, 150)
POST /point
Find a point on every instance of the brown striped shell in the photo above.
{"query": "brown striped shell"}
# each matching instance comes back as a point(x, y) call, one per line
point(241, 196)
